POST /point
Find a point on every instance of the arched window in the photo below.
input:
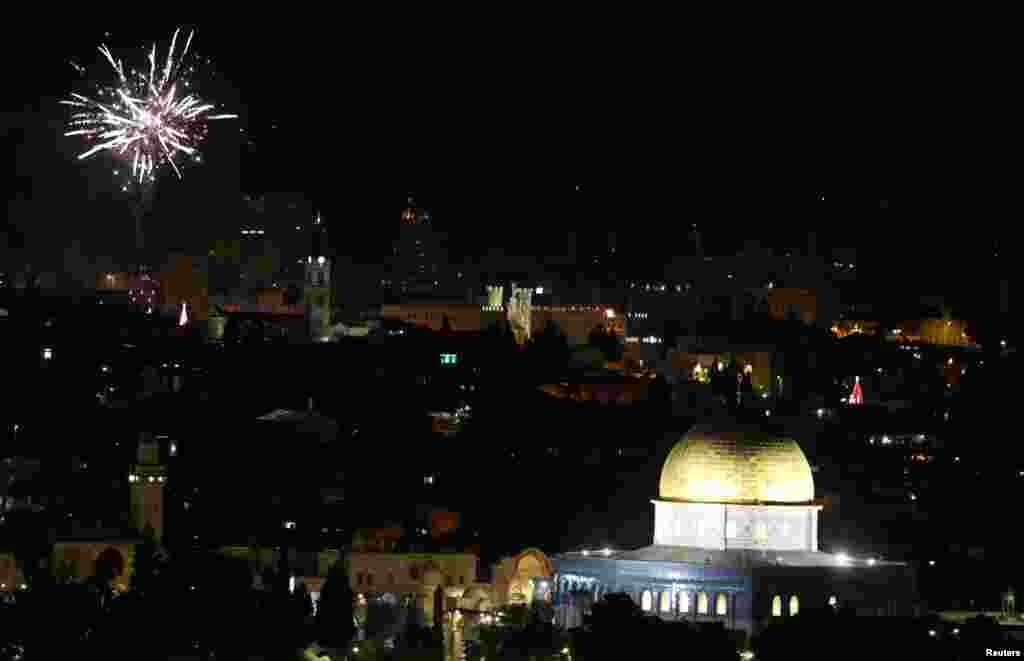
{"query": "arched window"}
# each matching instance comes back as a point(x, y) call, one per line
point(666, 602)
point(833, 601)
point(721, 604)
point(794, 605)
point(702, 604)
point(776, 606)
point(684, 602)
point(761, 531)
point(645, 601)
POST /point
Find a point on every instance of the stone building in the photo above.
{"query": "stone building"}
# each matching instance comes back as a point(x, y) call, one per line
point(439, 583)
point(735, 541)
point(78, 549)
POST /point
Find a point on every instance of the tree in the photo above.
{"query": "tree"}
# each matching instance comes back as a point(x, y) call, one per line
point(607, 342)
point(588, 358)
point(293, 295)
point(549, 348)
point(148, 563)
point(33, 544)
point(334, 613)
point(303, 601)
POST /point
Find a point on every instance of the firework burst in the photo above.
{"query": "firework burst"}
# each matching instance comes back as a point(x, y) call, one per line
point(145, 119)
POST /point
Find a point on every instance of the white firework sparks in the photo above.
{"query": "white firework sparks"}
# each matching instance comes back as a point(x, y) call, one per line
point(145, 121)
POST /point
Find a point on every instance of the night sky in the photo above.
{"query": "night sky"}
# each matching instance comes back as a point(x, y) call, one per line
point(494, 139)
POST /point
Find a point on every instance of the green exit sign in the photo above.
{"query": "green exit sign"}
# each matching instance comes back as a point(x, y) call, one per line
point(449, 359)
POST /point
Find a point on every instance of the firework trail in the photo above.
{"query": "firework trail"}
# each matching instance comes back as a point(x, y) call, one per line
point(143, 119)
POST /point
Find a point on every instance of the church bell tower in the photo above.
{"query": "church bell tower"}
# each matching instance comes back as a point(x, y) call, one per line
point(317, 287)
point(146, 482)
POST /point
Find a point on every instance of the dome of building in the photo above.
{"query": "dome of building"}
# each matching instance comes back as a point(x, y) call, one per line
point(731, 464)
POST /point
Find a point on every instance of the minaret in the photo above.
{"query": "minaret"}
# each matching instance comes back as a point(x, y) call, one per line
point(698, 241)
point(146, 482)
point(317, 289)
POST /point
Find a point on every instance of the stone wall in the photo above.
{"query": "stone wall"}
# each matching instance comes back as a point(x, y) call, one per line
point(407, 572)
point(78, 560)
point(461, 317)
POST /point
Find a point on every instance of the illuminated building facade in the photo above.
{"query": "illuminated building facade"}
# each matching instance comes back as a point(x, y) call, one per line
point(735, 541)
point(575, 321)
point(418, 265)
point(77, 553)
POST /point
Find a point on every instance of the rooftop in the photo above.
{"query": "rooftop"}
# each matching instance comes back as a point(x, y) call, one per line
point(728, 558)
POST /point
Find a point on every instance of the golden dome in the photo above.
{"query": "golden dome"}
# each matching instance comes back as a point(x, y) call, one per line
point(736, 465)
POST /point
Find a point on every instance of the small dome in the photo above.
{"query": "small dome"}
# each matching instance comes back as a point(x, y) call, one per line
point(736, 465)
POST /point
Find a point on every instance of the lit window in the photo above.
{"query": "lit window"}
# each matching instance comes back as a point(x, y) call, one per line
point(666, 602)
point(721, 605)
point(794, 605)
point(776, 606)
point(428, 480)
point(833, 601)
point(645, 601)
point(47, 353)
point(684, 602)
point(702, 604)
point(174, 449)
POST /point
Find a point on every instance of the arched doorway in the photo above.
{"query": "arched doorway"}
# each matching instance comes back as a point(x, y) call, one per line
point(108, 566)
point(531, 576)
